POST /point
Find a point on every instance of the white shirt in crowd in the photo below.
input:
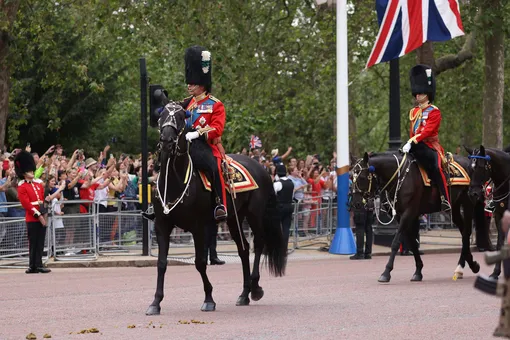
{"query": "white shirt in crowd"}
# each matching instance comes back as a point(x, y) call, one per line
point(101, 195)
point(56, 219)
point(277, 186)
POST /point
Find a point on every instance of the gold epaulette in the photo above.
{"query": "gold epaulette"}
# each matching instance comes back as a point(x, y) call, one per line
point(213, 98)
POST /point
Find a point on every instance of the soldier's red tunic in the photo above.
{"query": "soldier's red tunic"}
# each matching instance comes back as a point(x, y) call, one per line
point(425, 123)
point(31, 196)
point(207, 115)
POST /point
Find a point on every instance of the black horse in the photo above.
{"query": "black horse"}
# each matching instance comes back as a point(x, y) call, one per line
point(491, 164)
point(181, 200)
point(396, 179)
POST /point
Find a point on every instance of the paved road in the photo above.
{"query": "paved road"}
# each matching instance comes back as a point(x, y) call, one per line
point(317, 299)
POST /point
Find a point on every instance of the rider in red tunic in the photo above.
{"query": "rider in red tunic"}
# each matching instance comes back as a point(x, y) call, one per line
point(206, 116)
point(425, 122)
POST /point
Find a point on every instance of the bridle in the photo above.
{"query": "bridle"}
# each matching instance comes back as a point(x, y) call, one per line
point(372, 195)
point(367, 195)
point(170, 121)
point(170, 109)
point(488, 169)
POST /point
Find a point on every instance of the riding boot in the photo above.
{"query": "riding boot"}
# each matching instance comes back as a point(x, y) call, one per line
point(445, 205)
point(220, 211)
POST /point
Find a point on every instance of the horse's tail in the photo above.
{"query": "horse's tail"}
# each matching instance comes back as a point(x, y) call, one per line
point(275, 248)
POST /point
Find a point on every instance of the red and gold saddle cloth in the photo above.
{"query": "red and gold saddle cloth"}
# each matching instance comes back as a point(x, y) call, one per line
point(458, 176)
point(239, 176)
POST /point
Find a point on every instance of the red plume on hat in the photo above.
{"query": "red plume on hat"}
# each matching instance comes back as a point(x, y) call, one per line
point(23, 163)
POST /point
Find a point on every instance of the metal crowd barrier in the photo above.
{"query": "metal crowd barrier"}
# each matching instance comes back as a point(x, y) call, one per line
point(313, 222)
point(117, 230)
point(74, 233)
point(14, 241)
point(119, 227)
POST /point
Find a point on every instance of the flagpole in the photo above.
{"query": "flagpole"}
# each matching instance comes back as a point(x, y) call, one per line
point(343, 241)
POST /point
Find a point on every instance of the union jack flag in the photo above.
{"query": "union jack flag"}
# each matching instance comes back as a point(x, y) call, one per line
point(255, 142)
point(406, 24)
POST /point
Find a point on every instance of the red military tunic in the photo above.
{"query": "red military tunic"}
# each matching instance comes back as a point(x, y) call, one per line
point(425, 125)
point(207, 116)
point(31, 195)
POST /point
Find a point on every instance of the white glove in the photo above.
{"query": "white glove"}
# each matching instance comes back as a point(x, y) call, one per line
point(192, 135)
point(405, 149)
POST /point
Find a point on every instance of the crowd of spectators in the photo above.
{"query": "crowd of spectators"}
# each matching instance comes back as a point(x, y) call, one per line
point(113, 183)
point(314, 179)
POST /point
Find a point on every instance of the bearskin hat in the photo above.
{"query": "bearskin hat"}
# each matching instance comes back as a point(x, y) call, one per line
point(198, 67)
point(423, 81)
point(281, 170)
point(23, 163)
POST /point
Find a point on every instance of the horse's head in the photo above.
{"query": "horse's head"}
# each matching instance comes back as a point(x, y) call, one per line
point(172, 124)
point(363, 188)
point(481, 172)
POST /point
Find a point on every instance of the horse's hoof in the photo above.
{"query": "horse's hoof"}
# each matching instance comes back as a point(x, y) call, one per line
point(257, 294)
point(476, 267)
point(417, 278)
point(153, 310)
point(243, 301)
point(457, 276)
point(384, 278)
point(208, 307)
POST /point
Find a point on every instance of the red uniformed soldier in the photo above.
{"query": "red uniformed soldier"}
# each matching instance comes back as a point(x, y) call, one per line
point(31, 197)
point(425, 122)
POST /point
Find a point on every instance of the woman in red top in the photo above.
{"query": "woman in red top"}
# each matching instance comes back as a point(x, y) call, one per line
point(317, 184)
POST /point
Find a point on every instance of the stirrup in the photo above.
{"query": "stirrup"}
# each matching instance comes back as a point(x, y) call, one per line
point(445, 205)
point(220, 213)
point(149, 214)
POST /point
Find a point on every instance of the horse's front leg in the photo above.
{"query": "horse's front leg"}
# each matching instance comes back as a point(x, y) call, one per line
point(395, 245)
point(163, 245)
point(464, 223)
point(244, 254)
point(201, 265)
point(412, 237)
point(501, 241)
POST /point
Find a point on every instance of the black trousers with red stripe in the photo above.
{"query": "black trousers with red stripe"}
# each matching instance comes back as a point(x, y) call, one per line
point(429, 160)
point(36, 235)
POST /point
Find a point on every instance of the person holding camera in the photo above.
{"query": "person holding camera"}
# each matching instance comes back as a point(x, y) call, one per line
point(5, 183)
point(31, 197)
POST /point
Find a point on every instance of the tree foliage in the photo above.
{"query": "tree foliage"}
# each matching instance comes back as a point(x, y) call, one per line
point(75, 78)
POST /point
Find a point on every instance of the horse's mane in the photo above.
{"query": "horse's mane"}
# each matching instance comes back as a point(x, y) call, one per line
point(507, 149)
point(498, 152)
point(385, 154)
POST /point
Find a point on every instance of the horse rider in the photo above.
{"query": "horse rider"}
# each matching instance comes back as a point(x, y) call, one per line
point(206, 115)
point(425, 121)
